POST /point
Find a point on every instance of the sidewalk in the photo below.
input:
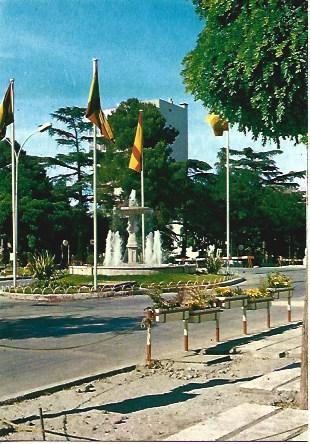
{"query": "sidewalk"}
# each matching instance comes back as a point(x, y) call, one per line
point(260, 422)
point(250, 422)
point(239, 390)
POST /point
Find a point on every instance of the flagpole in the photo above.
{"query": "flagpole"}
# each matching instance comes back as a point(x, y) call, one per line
point(227, 204)
point(13, 187)
point(142, 198)
point(95, 62)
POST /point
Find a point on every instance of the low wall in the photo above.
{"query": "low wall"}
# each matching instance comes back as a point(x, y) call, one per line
point(87, 270)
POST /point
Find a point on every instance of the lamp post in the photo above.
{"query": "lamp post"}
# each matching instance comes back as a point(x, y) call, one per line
point(65, 243)
point(41, 129)
point(220, 125)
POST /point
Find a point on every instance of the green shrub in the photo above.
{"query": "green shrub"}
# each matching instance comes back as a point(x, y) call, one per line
point(42, 266)
point(213, 264)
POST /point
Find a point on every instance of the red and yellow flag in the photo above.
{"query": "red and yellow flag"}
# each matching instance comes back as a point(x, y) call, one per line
point(136, 155)
point(94, 112)
point(6, 111)
point(218, 124)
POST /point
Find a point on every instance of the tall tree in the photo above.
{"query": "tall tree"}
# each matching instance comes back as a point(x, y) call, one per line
point(250, 65)
point(72, 167)
point(72, 136)
point(266, 206)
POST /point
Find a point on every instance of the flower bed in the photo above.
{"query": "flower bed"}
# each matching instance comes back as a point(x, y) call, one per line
point(191, 300)
point(257, 298)
point(279, 280)
point(230, 297)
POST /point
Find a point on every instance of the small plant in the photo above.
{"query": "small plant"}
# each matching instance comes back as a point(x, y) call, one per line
point(213, 261)
point(256, 293)
point(278, 280)
point(228, 291)
point(42, 266)
point(160, 302)
point(199, 298)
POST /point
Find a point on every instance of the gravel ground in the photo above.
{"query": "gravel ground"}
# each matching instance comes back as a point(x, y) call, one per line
point(143, 405)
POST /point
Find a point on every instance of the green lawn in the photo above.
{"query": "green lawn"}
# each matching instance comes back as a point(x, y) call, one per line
point(164, 277)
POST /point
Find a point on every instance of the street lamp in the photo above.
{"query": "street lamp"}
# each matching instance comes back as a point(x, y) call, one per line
point(65, 243)
point(41, 129)
point(220, 125)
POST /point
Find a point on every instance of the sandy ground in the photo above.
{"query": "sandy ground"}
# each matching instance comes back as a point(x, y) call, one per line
point(143, 405)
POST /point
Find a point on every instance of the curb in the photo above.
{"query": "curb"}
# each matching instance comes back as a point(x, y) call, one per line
point(47, 389)
point(235, 281)
point(99, 295)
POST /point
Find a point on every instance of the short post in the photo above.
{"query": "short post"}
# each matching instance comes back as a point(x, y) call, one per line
point(148, 324)
point(185, 329)
point(42, 424)
point(289, 309)
point(217, 328)
point(244, 321)
point(268, 315)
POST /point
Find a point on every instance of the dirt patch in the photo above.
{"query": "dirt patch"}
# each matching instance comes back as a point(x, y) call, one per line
point(147, 404)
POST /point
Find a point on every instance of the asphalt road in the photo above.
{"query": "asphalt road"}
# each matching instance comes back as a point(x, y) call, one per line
point(46, 343)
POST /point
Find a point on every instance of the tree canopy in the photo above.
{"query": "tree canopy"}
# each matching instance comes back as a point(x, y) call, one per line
point(267, 210)
point(71, 136)
point(250, 65)
point(44, 216)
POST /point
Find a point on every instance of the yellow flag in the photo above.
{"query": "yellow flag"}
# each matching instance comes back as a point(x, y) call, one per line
point(218, 124)
point(6, 111)
point(94, 112)
point(136, 155)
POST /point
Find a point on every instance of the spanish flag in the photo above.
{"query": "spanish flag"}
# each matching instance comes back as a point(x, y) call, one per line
point(94, 112)
point(218, 124)
point(6, 111)
point(136, 155)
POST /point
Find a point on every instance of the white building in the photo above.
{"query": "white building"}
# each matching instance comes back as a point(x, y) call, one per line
point(177, 117)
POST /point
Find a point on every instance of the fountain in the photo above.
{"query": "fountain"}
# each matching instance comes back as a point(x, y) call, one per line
point(132, 211)
point(113, 250)
point(113, 264)
point(108, 249)
point(157, 251)
point(148, 254)
point(153, 251)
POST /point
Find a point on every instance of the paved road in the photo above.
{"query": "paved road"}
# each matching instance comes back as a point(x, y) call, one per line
point(45, 343)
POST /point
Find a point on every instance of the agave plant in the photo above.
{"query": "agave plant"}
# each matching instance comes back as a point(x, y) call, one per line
point(42, 266)
point(213, 261)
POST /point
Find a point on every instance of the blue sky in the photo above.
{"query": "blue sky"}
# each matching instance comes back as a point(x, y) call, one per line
point(48, 48)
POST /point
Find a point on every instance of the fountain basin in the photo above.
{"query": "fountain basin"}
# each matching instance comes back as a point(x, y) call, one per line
point(87, 270)
point(130, 211)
